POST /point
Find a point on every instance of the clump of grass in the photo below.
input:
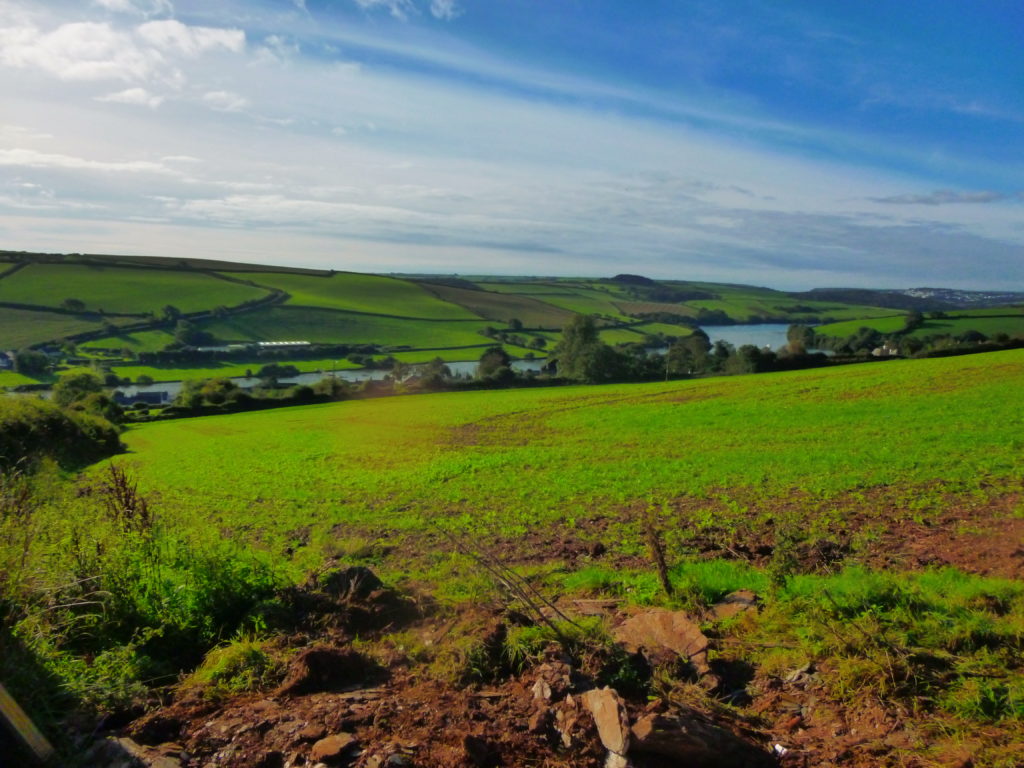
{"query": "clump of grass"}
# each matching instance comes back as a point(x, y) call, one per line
point(942, 639)
point(242, 665)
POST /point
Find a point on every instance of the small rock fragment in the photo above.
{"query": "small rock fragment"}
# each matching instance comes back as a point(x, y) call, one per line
point(610, 716)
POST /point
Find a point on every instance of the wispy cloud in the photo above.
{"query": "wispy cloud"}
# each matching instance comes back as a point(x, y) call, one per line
point(445, 9)
point(138, 7)
point(30, 158)
point(225, 101)
point(400, 9)
point(172, 35)
point(949, 197)
point(139, 96)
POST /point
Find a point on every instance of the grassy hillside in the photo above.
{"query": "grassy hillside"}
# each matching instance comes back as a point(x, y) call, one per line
point(988, 322)
point(125, 290)
point(523, 458)
point(333, 326)
point(363, 293)
point(503, 307)
point(21, 327)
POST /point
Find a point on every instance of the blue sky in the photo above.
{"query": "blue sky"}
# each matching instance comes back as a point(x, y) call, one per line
point(792, 144)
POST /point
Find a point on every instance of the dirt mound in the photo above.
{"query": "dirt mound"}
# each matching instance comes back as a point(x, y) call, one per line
point(322, 668)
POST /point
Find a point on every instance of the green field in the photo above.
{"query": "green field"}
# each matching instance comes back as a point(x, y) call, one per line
point(337, 327)
point(12, 379)
point(524, 458)
point(139, 341)
point(988, 322)
point(230, 369)
point(503, 307)
point(22, 327)
point(892, 324)
point(122, 289)
point(362, 293)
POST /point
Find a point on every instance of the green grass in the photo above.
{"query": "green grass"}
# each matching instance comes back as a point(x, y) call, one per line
point(665, 328)
point(139, 341)
point(891, 324)
point(122, 289)
point(332, 326)
point(227, 368)
point(22, 327)
point(620, 336)
point(12, 379)
point(987, 322)
point(531, 460)
point(362, 293)
point(586, 301)
point(502, 307)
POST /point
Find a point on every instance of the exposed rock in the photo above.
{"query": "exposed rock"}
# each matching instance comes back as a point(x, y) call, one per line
point(311, 732)
point(734, 604)
point(541, 691)
point(330, 749)
point(610, 716)
point(662, 636)
point(690, 737)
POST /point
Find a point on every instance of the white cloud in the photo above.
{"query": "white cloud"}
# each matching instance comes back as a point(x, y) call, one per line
point(97, 51)
point(30, 158)
point(138, 7)
point(225, 101)
point(400, 9)
point(78, 51)
point(172, 35)
point(445, 9)
point(139, 96)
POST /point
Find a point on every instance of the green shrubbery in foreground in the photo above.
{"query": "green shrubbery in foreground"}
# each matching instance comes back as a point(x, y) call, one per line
point(99, 599)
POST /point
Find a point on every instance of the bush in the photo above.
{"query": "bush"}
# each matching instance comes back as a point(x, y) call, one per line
point(34, 429)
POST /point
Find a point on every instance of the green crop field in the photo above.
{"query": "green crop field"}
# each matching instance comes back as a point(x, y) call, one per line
point(503, 307)
point(122, 289)
point(988, 322)
point(362, 293)
point(890, 324)
point(231, 369)
point(524, 458)
point(22, 327)
point(138, 341)
point(586, 301)
point(525, 287)
point(335, 326)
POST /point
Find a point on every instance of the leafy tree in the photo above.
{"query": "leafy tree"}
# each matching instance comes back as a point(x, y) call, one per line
point(170, 313)
point(515, 324)
point(75, 387)
point(73, 305)
point(493, 359)
point(581, 355)
point(31, 362)
point(143, 380)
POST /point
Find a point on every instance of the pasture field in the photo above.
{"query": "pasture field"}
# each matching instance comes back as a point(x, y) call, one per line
point(123, 289)
point(523, 460)
point(229, 369)
point(137, 341)
point(988, 322)
point(12, 379)
point(335, 326)
point(586, 301)
point(531, 311)
point(362, 293)
point(22, 327)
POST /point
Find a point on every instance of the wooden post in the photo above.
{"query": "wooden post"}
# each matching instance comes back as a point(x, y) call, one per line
point(23, 728)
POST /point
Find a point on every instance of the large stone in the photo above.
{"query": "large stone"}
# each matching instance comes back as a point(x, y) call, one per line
point(663, 636)
point(691, 738)
point(330, 750)
point(610, 716)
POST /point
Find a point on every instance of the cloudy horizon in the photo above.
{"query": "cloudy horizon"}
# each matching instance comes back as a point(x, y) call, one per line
point(798, 147)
